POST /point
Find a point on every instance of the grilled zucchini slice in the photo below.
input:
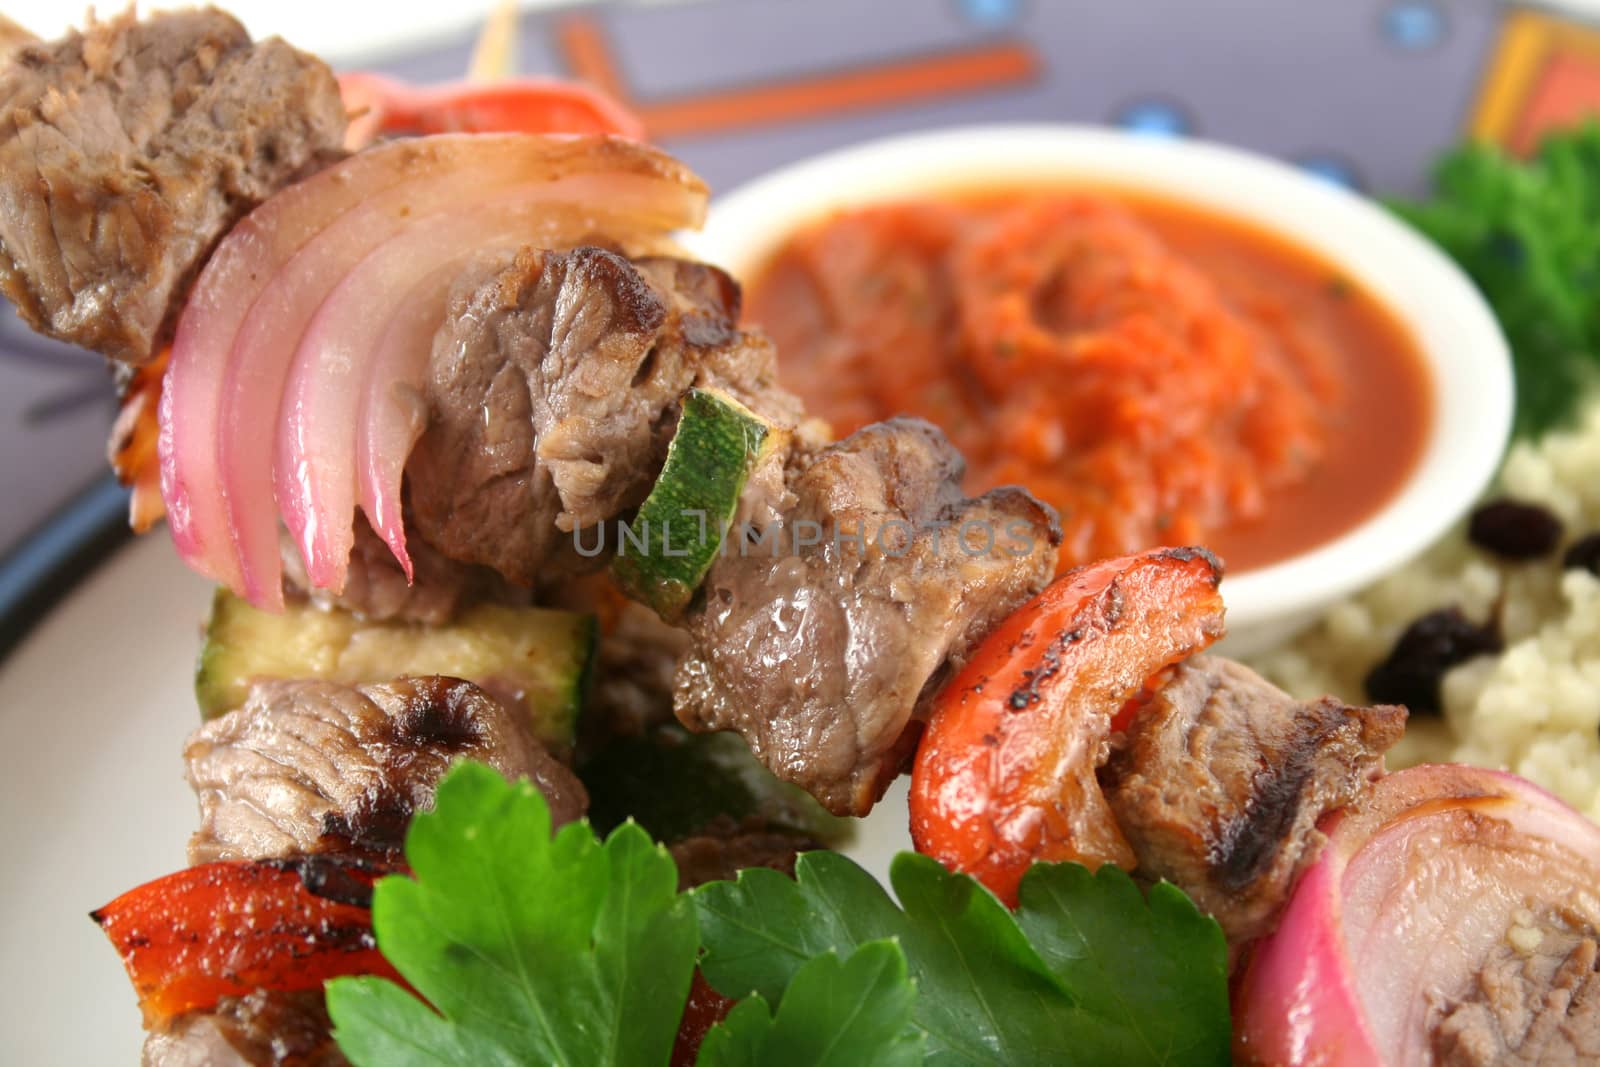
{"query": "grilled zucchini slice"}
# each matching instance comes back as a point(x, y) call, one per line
point(678, 532)
point(533, 655)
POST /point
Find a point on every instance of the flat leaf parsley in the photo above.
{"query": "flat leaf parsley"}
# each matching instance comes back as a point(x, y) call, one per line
point(523, 948)
point(1529, 235)
point(532, 949)
point(1085, 972)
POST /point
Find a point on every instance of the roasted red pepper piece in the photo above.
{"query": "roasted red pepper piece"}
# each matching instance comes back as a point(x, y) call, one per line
point(511, 105)
point(132, 446)
point(1005, 773)
point(704, 1009)
point(227, 929)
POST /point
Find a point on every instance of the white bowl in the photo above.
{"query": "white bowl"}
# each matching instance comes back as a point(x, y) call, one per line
point(1465, 352)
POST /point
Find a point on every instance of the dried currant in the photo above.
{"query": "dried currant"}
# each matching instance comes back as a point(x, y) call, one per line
point(1430, 646)
point(1512, 529)
point(1583, 555)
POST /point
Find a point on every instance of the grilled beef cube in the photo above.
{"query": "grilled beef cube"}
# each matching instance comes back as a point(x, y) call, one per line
point(128, 150)
point(13, 38)
point(267, 1028)
point(553, 390)
point(308, 766)
point(631, 691)
point(1222, 777)
point(724, 847)
point(821, 641)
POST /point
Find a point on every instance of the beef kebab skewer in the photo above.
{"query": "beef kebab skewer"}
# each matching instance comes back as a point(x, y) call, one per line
point(533, 354)
point(555, 357)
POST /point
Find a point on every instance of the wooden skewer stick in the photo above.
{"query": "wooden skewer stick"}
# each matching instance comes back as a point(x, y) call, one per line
point(495, 54)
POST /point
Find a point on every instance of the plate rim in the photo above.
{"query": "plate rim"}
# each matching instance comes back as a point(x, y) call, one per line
point(57, 554)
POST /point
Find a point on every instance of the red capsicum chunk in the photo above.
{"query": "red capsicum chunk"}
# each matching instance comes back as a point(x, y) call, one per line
point(1005, 772)
point(381, 105)
point(228, 929)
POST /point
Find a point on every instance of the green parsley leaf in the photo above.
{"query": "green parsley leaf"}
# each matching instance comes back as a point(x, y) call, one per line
point(1118, 954)
point(1086, 972)
point(532, 949)
point(868, 997)
point(1528, 233)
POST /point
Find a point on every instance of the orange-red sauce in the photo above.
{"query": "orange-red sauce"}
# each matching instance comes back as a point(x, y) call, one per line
point(1160, 374)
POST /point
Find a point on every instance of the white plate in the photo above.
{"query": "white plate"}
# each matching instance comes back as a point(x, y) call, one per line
point(94, 707)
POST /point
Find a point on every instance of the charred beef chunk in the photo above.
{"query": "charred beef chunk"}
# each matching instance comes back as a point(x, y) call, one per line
point(128, 150)
point(553, 390)
point(820, 642)
point(13, 38)
point(1536, 1002)
point(265, 1029)
point(1222, 777)
point(632, 688)
point(724, 847)
point(310, 766)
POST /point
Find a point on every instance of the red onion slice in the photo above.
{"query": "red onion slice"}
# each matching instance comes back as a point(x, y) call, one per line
point(1415, 890)
point(327, 386)
point(242, 338)
point(225, 291)
point(392, 414)
point(258, 365)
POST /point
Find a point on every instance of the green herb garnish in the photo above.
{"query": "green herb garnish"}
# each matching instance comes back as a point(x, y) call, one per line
point(528, 949)
point(533, 949)
point(863, 1005)
point(1086, 971)
point(1528, 233)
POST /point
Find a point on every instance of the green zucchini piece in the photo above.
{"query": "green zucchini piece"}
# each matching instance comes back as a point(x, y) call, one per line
point(673, 783)
point(677, 533)
point(535, 655)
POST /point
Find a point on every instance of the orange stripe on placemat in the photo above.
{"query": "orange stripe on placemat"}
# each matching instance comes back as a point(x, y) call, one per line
point(925, 78)
point(583, 45)
point(922, 78)
point(1511, 73)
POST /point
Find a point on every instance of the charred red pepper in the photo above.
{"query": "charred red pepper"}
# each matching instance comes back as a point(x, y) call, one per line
point(1005, 773)
point(704, 1009)
point(131, 448)
point(227, 929)
point(512, 105)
